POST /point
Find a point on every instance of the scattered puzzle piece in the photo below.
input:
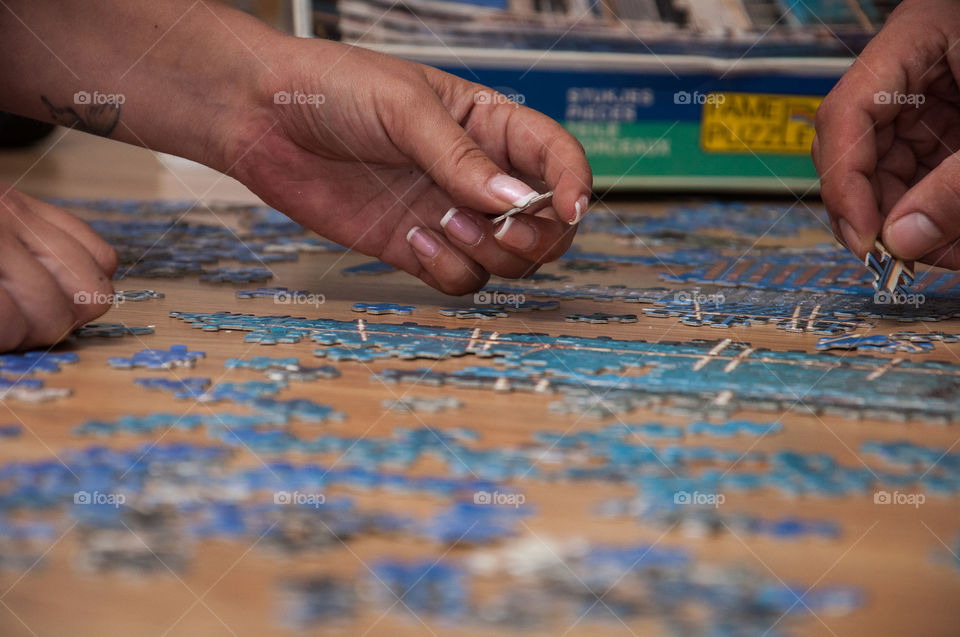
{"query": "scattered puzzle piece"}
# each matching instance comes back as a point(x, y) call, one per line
point(236, 275)
point(269, 293)
point(111, 330)
point(174, 385)
point(36, 361)
point(485, 313)
point(428, 405)
point(10, 431)
point(601, 318)
point(176, 356)
point(372, 267)
point(581, 265)
point(262, 363)
point(383, 308)
point(875, 342)
point(30, 390)
point(139, 295)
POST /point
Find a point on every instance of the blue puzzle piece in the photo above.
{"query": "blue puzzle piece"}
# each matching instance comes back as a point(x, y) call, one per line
point(383, 308)
point(174, 385)
point(10, 431)
point(602, 318)
point(24, 383)
point(372, 267)
point(474, 313)
point(236, 275)
point(890, 275)
point(262, 363)
point(139, 295)
point(36, 361)
point(176, 356)
point(362, 355)
point(110, 330)
point(275, 293)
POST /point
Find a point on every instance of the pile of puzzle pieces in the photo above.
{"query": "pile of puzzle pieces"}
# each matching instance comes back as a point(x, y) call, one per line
point(713, 371)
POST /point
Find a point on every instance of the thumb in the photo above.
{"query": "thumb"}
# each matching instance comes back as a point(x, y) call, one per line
point(927, 216)
point(444, 150)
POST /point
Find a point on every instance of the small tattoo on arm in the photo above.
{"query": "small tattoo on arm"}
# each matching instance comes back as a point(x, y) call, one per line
point(98, 119)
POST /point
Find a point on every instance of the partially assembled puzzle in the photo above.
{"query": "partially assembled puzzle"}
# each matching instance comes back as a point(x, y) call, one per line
point(706, 419)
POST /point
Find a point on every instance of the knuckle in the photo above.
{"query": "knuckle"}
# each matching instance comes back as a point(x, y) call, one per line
point(11, 209)
point(465, 152)
point(91, 300)
point(825, 111)
point(467, 284)
point(52, 329)
point(106, 256)
point(557, 246)
point(90, 296)
point(402, 104)
point(946, 179)
point(832, 194)
point(514, 269)
point(577, 144)
point(14, 332)
point(86, 313)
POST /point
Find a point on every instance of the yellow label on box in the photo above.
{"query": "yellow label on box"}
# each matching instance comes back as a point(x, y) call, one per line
point(757, 122)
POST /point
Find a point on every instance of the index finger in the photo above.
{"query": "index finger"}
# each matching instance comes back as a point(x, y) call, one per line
point(846, 153)
point(539, 146)
point(535, 146)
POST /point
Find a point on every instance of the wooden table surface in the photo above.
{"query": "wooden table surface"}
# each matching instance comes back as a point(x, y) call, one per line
point(229, 587)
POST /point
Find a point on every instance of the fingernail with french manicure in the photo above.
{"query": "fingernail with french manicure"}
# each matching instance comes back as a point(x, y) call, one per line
point(423, 243)
point(511, 190)
point(461, 227)
point(516, 234)
point(581, 207)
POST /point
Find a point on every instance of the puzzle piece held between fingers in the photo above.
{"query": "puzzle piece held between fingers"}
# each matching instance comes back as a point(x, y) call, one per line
point(534, 205)
point(891, 275)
